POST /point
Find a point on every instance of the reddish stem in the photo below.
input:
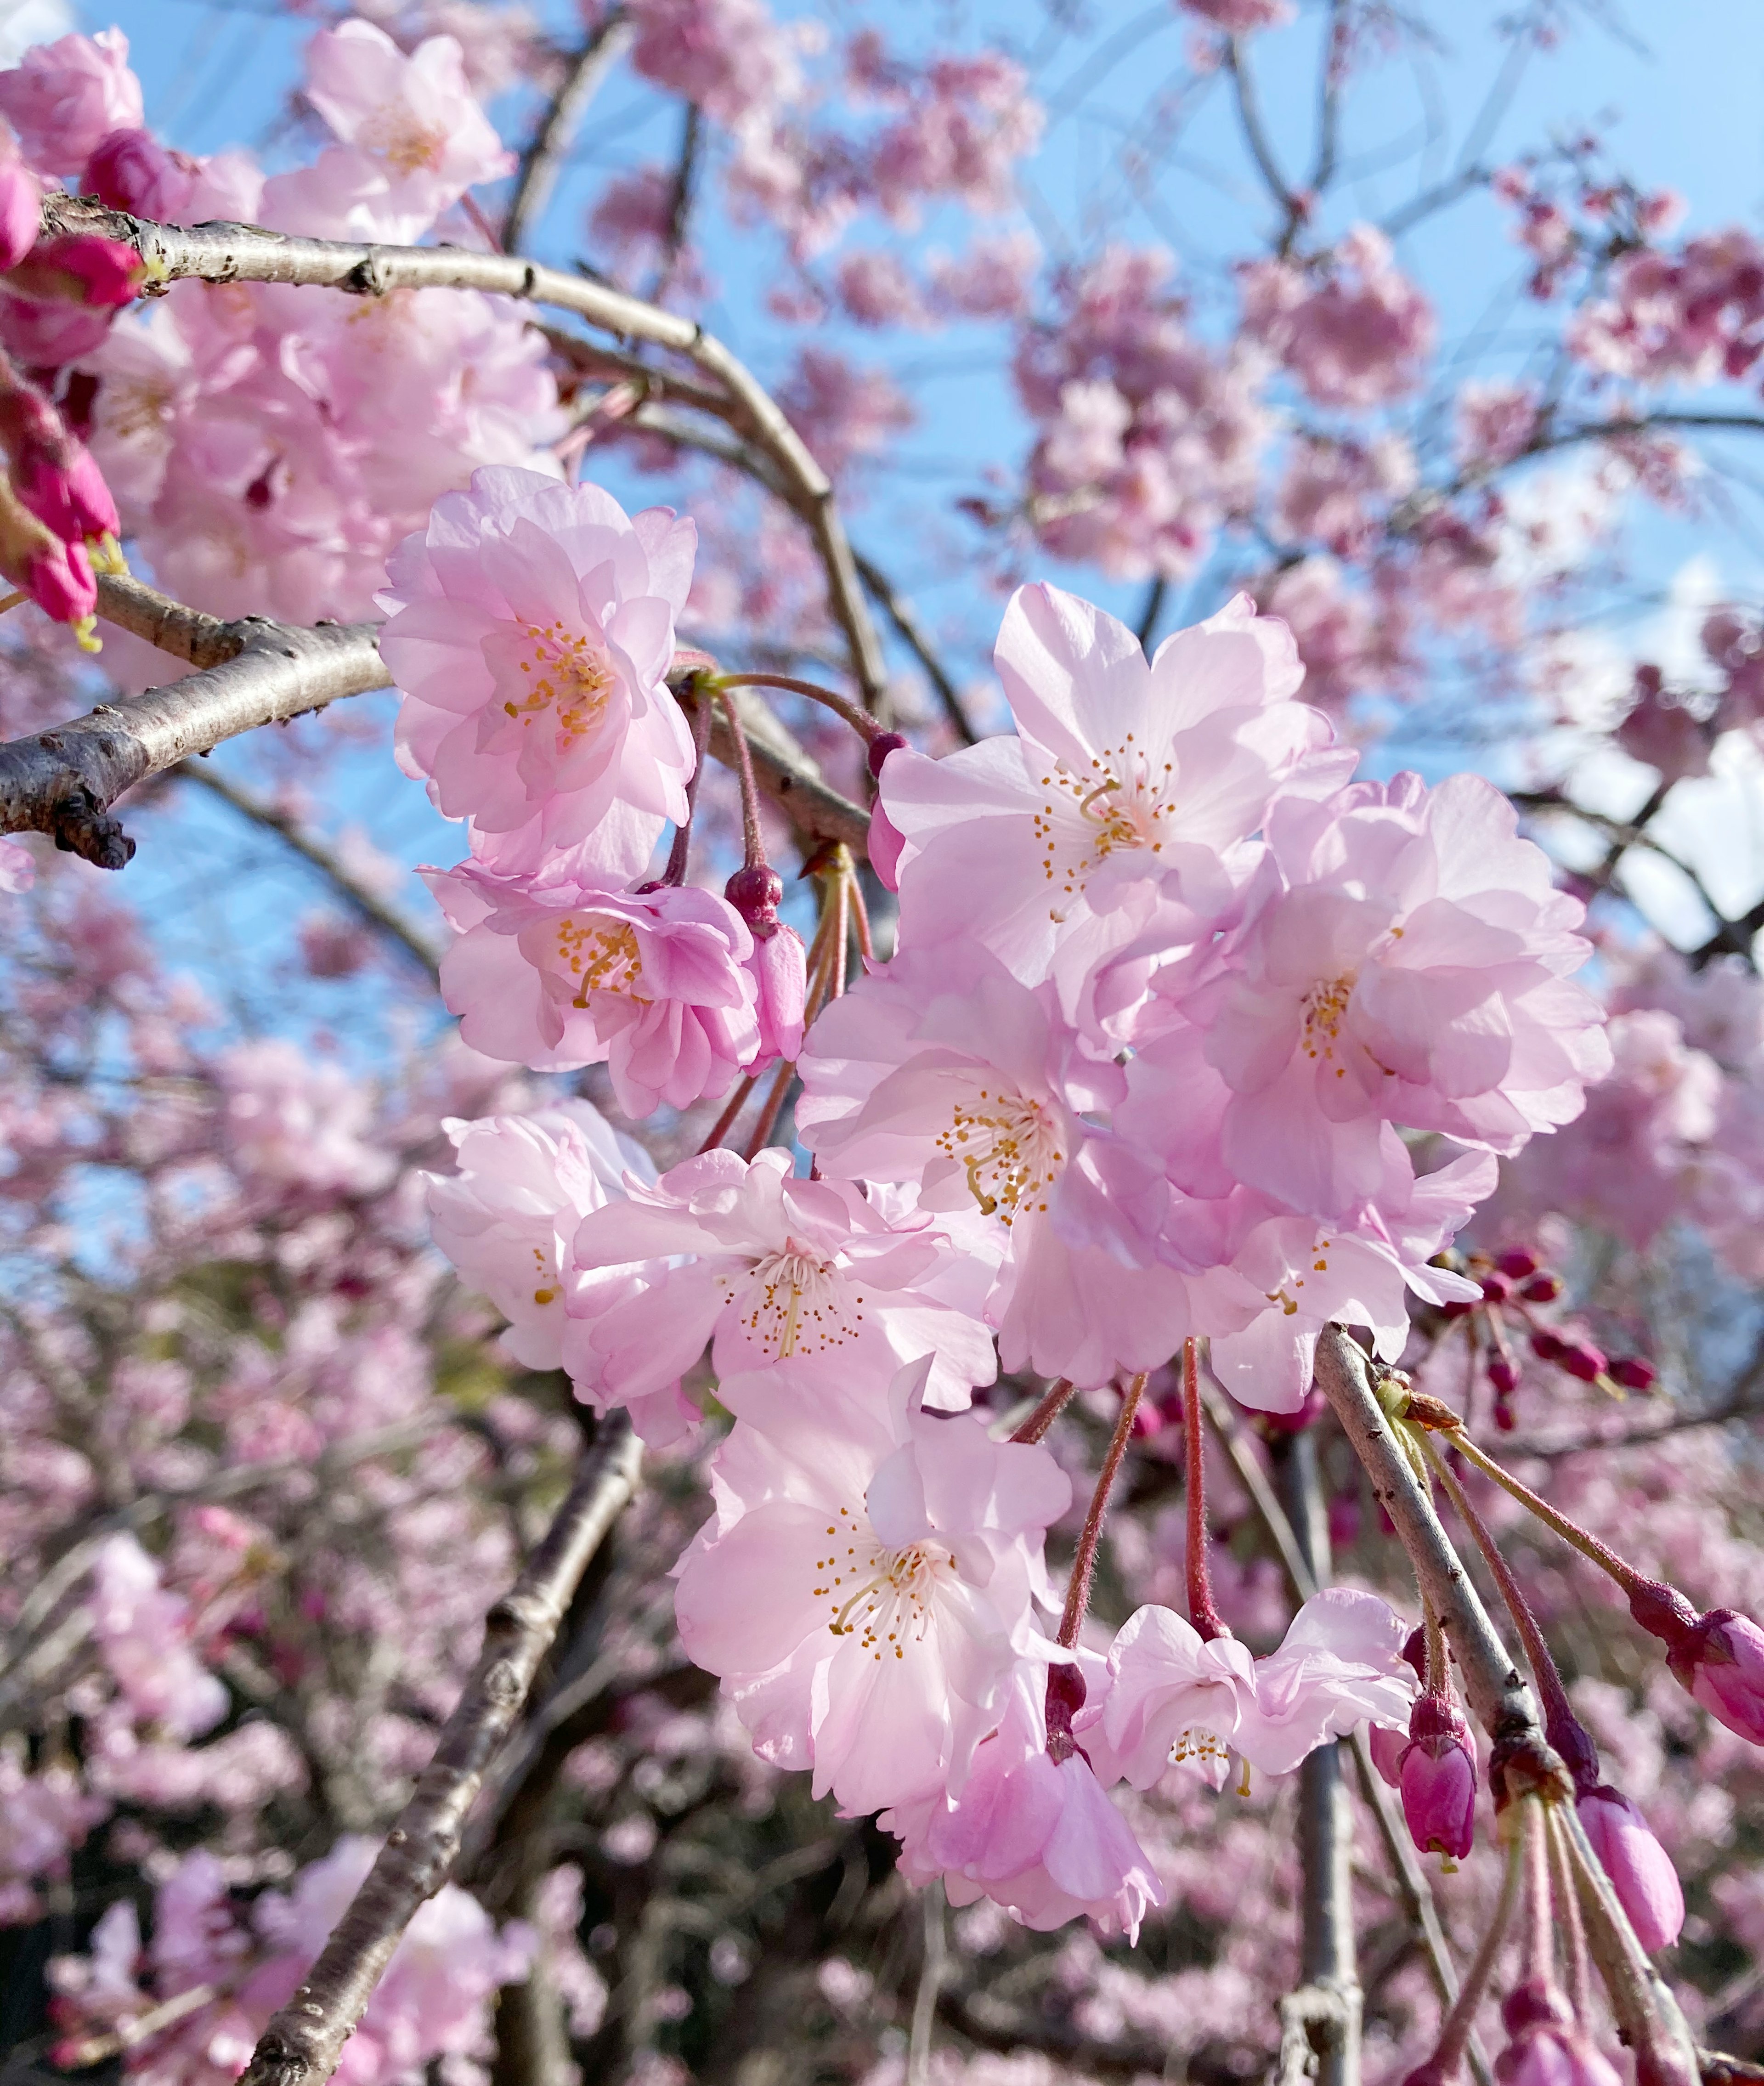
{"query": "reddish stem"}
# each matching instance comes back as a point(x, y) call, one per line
point(1046, 1413)
point(753, 840)
point(725, 1121)
point(1084, 1565)
point(1201, 1611)
point(774, 1101)
point(1570, 1531)
point(674, 874)
point(855, 714)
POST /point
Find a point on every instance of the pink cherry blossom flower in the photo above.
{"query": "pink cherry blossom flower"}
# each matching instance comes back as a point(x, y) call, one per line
point(144, 1633)
point(18, 867)
point(1358, 337)
point(1176, 1698)
point(1241, 18)
point(1359, 1274)
point(507, 1218)
point(1640, 1869)
point(864, 1590)
point(1035, 1833)
point(413, 136)
point(531, 627)
point(131, 170)
point(62, 98)
point(1123, 773)
point(767, 1267)
point(555, 972)
point(21, 201)
point(944, 1071)
point(1409, 966)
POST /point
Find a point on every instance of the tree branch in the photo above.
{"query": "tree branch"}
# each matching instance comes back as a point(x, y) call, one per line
point(817, 814)
point(247, 254)
point(305, 2040)
point(64, 781)
point(368, 904)
point(587, 67)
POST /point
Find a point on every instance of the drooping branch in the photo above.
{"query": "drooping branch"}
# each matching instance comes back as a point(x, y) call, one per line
point(248, 253)
point(305, 2040)
point(583, 73)
point(63, 781)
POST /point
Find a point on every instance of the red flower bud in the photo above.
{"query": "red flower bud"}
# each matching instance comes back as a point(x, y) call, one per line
point(1517, 1263)
point(1503, 1374)
point(1547, 1346)
point(1634, 1373)
point(755, 892)
point(1496, 1287)
point(1542, 1289)
point(1504, 1417)
point(1581, 1359)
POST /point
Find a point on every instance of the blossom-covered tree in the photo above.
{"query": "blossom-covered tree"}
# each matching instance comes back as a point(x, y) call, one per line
point(752, 1331)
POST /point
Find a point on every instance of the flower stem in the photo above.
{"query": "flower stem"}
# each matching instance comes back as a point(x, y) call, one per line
point(732, 1107)
point(1455, 2031)
point(1579, 1968)
point(1044, 1415)
point(1538, 1951)
point(855, 714)
point(774, 1102)
point(1588, 1545)
point(1201, 1611)
point(674, 875)
point(1084, 1565)
point(753, 840)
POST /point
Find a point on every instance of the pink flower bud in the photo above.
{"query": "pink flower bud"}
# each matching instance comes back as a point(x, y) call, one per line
point(58, 579)
point(1581, 1359)
point(1640, 1869)
point(1497, 1288)
point(1721, 1661)
point(780, 967)
point(1542, 1288)
point(131, 170)
point(1503, 1374)
point(755, 892)
point(1439, 1780)
point(69, 494)
point(1548, 2049)
point(1517, 1263)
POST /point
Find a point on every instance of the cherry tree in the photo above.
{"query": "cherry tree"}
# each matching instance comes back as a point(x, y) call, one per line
point(1001, 1342)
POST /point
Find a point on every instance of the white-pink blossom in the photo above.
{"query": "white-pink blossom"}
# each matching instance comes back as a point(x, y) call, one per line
point(144, 1633)
point(62, 98)
point(865, 1587)
point(554, 973)
point(531, 628)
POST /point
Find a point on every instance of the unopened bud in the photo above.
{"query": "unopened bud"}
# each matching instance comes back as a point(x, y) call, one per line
point(1640, 1869)
point(1720, 1659)
point(1547, 2048)
point(1505, 1418)
point(1438, 1779)
point(1582, 1359)
point(755, 893)
point(884, 743)
point(1634, 1373)
point(1503, 1374)
point(1542, 1288)
point(1547, 1346)
point(1517, 1263)
point(1497, 1288)
point(1458, 1307)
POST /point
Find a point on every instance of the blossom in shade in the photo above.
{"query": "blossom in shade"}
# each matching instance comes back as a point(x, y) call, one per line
point(507, 1218)
point(557, 973)
point(1174, 1697)
point(1125, 774)
point(413, 138)
point(62, 98)
point(1640, 1869)
point(944, 1071)
point(864, 1588)
point(1031, 1826)
point(1408, 963)
point(1360, 1274)
point(769, 1268)
point(531, 627)
point(143, 1632)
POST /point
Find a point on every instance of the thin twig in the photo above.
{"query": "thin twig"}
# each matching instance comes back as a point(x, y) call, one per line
point(605, 44)
point(1085, 1563)
point(304, 2039)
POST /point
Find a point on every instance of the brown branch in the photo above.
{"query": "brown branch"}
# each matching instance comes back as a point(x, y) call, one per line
point(1497, 1695)
point(586, 69)
point(900, 612)
point(304, 2039)
point(247, 254)
point(64, 781)
point(368, 903)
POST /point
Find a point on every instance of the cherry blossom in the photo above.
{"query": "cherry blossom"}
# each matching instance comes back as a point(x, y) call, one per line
point(866, 1584)
point(143, 1632)
point(531, 628)
point(63, 98)
point(555, 972)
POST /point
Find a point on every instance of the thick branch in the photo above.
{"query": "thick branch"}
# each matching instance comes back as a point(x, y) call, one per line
point(247, 254)
point(64, 781)
point(586, 68)
point(304, 2039)
point(1497, 1695)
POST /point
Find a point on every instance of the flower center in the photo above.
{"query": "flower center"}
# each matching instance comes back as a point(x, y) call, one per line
point(1117, 803)
point(408, 146)
point(568, 676)
point(792, 1303)
point(1008, 1150)
point(600, 956)
point(881, 1596)
point(1326, 1008)
point(140, 408)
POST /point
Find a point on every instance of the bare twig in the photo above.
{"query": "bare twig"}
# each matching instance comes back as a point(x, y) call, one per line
point(63, 781)
point(900, 612)
point(605, 44)
point(304, 2039)
point(368, 903)
point(247, 254)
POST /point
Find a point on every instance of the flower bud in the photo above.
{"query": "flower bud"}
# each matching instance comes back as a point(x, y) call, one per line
point(1721, 1661)
point(1497, 1288)
point(884, 743)
point(755, 893)
point(1517, 1263)
point(1547, 1346)
point(1542, 1288)
point(1548, 2049)
point(1634, 1373)
point(1581, 1359)
point(1640, 1869)
point(1505, 1418)
point(779, 965)
point(1387, 1747)
point(131, 170)
point(1438, 1779)
point(84, 268)
point(1458, 1307)
point(1503, 1374)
